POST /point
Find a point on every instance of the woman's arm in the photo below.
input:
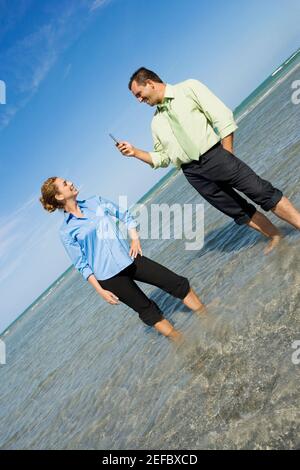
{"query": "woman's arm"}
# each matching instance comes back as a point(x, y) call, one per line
point(125, 217)
point(135, 246)
point(80, 262)
point(76, 255)
point(119, 212)
point(105, 294)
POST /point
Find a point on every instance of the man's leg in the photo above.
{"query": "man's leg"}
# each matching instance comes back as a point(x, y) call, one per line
point(224, 198)
point(123, 286)
point(261, 191)
point(263, 225)
point(285, 210)
point(153, 273)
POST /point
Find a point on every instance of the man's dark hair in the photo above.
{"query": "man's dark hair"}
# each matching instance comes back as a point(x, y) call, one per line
point(141, 75)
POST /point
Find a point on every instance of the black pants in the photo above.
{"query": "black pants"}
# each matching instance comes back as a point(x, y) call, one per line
point(215, 175)
point(145, 270)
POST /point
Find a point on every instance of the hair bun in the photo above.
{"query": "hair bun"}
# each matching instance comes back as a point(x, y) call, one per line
point(46, 205)
point(48, 195)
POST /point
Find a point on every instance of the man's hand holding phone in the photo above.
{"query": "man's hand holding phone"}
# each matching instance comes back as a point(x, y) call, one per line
point(125, 147)
point(130, 151)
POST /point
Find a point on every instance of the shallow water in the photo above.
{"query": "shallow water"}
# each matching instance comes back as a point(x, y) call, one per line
point(82, 374)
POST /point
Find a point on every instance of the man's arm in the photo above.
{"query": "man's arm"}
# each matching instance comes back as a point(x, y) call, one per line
point(157, 159)
point(227, 142)
point(216, 112)
point(130, 151)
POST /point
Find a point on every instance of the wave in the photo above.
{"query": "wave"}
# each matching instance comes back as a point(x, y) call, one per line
point(267, 93)
point(277, 70)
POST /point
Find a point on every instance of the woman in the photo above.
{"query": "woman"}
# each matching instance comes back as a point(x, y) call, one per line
point(92, 239)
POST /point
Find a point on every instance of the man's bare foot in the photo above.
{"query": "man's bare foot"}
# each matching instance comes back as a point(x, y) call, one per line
point(275, 240)
point(264, 226)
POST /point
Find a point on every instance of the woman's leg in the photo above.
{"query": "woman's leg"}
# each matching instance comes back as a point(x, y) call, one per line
point(151, 272)
point(123, 286)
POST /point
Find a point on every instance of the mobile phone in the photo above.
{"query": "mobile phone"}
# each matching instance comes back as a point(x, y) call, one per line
point(113, 138)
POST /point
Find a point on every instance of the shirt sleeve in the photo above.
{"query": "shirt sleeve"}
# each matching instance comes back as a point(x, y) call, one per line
point(159, 156)
point(119, 213)
point(76, 255)
point(220, 116)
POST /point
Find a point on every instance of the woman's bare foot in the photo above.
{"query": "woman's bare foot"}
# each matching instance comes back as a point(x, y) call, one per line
point(176, 336)
point(165, 328)
point(201, 312)
point(204, 310)
point(192, 301)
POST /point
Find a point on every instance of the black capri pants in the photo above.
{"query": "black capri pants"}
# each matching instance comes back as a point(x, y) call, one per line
point(145, 270)
point(218, 172)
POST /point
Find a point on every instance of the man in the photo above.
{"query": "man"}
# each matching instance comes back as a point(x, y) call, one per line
point(193, 129)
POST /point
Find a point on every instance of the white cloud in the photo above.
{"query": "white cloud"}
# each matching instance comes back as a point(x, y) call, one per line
point(67, 71)
point(9, 223)
point(20, 233)
point(98, 4)
point(9, 270)
point(28, 61)
point(6, 116)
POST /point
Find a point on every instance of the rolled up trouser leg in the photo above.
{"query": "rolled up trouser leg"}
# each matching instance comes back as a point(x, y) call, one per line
point(130, 294)
point(216, 176)
point(151, 272)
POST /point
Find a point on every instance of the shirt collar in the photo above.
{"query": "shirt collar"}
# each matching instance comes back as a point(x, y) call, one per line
point(68, 216)
point(169, 94)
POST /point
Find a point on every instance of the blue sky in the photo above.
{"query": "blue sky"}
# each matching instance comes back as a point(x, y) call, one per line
point(66, 65)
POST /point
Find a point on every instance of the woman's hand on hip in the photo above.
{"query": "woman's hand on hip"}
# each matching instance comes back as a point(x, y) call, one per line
point(135, 248)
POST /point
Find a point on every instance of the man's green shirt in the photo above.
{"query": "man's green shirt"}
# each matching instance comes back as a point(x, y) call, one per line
point(202, 115)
